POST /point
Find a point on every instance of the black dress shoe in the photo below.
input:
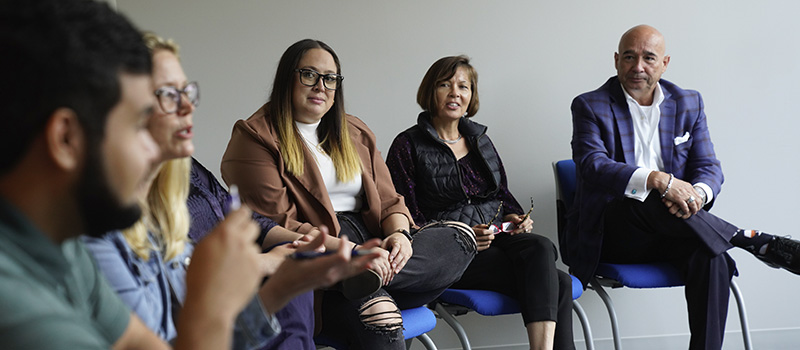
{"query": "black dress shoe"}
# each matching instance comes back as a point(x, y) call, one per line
point(784, 253)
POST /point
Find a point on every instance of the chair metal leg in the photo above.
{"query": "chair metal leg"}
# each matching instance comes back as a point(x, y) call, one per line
point(737, 294)
point(455, 325)
point(587, 329)
point(612, 313)
point(424, 339)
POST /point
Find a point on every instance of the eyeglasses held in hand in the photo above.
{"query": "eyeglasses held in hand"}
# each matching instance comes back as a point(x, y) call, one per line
point(499, 209)
point(169, 97)
point(310, 77)
point(528, 213)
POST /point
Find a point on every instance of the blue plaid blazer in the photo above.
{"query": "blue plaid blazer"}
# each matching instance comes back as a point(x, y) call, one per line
point(603, 151)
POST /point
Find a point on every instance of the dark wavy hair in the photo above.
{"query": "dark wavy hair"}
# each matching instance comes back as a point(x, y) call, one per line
point(61, 54)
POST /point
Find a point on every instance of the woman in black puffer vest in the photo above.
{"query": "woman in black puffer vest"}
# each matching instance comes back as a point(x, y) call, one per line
point(447, 168)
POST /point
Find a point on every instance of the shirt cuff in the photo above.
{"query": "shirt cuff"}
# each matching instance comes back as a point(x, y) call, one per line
point(637, 185)
point(709, 192)
point(255, 326)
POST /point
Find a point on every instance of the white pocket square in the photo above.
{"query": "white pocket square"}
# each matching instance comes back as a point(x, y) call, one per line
point(681, 139)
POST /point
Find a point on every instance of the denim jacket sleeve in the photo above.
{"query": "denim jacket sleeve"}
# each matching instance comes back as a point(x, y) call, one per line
point(140, 284)
point(255, 326)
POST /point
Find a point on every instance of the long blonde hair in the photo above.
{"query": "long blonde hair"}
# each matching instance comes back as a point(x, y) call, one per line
point(164, 210)
point(332, 131)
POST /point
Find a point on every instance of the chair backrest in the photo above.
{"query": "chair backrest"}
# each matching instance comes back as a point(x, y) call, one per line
point(566, 180)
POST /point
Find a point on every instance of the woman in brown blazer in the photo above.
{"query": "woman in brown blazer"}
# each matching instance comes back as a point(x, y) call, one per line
point(300, 160)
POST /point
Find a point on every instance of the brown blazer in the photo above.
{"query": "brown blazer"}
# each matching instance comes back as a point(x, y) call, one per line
point(253, 162)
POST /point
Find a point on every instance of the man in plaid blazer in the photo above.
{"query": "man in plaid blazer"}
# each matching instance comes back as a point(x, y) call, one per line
point(647, 176)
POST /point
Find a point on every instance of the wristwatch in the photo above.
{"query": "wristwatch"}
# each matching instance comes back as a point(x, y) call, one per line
point(404, 232)
point(702, 193)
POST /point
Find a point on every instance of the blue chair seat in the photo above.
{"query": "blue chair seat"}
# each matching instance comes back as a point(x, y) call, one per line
point(490, 303)
point(455, 302)
point(416, 323)
point(484, 302)
point(577, 287)
point(654, 275)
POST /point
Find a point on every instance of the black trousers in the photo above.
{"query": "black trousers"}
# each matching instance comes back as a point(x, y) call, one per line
point(645, 232)
point(523, 266)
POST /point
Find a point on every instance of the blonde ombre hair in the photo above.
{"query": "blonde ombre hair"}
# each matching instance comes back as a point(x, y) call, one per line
point(333, 131)
point(164, 210)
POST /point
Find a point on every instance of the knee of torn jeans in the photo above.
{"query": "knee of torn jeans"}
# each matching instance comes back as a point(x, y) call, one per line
point(381, 314)
point(465, 236)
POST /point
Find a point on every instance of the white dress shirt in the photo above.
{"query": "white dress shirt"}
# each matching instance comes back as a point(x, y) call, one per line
point(647, 146)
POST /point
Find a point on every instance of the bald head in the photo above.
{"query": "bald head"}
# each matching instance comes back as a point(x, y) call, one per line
point(640, 62)
point(643, 33)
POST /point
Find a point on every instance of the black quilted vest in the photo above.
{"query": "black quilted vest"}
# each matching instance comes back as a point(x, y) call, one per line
point(439, 190)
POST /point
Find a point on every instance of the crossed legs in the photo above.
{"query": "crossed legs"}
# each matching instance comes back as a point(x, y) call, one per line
point(637, 232)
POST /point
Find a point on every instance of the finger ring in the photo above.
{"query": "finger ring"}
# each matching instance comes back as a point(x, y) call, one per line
point(690, 200)
point(527, 230)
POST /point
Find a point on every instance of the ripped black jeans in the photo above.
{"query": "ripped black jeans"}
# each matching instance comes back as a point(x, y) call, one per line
point(441, 254)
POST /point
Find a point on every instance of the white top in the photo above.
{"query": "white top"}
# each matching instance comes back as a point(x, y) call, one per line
point(647, 146)
point(343, 196)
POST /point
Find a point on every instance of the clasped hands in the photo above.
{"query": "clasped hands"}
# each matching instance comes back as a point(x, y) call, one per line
point(392, 254)
point(681, 199)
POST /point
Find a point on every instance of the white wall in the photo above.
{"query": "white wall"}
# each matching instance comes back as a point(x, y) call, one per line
point(533, 57)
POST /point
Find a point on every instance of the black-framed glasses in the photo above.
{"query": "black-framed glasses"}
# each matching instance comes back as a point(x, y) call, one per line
point(169, 97)
point(310, 77)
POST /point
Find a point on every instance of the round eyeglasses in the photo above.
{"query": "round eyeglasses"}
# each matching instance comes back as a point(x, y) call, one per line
point(310, 77)
point(169, 97)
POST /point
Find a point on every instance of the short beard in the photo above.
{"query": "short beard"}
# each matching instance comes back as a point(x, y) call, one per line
point(101, 211)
